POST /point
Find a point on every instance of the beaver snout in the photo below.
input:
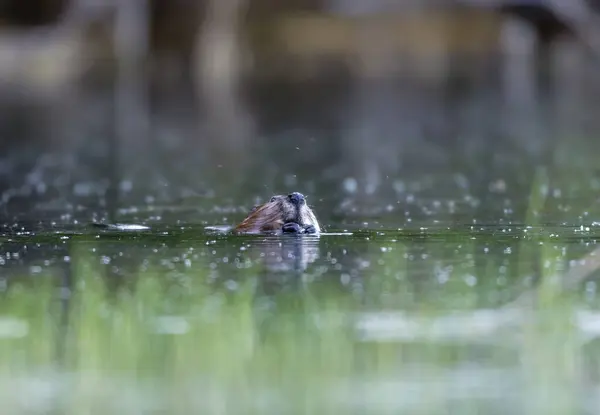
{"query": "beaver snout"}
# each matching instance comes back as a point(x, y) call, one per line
point(281, 214)
point(297, 198)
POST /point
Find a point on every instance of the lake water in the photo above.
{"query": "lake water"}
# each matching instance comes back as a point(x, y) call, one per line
point(438, 319)
point(455, 274)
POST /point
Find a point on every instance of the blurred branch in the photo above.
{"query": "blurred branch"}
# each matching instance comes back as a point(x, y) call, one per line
point(218, 52)
point(218, 65)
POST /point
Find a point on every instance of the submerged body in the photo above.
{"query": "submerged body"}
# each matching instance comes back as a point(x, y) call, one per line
point(281, 214)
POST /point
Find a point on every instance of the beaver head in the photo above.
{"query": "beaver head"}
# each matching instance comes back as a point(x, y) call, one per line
point(281, 214)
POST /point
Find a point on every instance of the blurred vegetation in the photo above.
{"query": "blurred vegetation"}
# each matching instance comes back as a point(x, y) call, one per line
point(293, 40)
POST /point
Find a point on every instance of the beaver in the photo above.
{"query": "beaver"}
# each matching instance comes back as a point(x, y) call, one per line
point(281, 214)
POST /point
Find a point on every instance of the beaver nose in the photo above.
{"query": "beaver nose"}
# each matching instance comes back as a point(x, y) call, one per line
point(296, 198)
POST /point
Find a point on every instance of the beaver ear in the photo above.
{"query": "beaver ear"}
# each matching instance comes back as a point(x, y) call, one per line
point(274, 198)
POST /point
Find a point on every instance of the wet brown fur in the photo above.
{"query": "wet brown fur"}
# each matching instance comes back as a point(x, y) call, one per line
point(271, 216)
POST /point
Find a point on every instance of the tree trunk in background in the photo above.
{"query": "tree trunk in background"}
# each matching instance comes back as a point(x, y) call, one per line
point(218, 60)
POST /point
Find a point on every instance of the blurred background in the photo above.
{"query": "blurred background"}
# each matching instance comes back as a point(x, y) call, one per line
point(105, 105)
point(456, 140)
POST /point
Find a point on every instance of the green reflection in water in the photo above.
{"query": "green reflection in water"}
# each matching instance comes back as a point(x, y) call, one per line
point(379, 322)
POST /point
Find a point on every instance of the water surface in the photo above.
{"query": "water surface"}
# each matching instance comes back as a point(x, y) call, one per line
point(179, 319)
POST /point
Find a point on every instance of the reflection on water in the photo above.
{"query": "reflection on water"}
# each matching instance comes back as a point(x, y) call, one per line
point(287, 255)
point(181, 319)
